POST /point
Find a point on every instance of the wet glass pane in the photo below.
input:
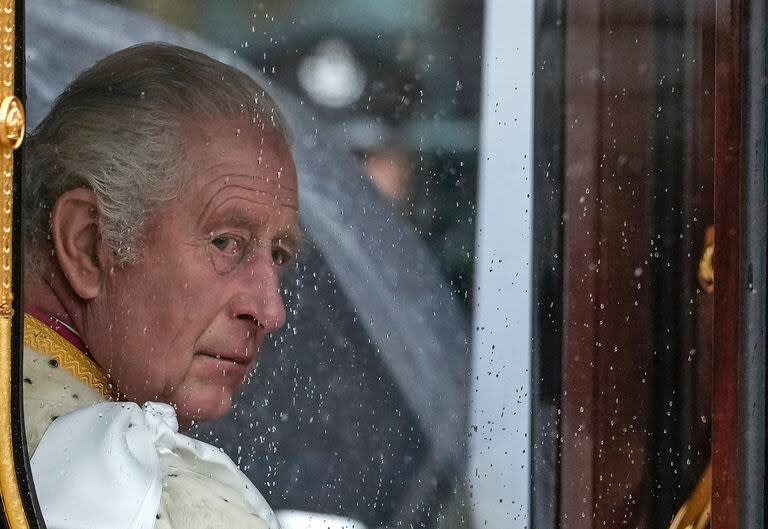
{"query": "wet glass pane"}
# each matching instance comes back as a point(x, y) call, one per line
point(440, 264)
point(349, 317)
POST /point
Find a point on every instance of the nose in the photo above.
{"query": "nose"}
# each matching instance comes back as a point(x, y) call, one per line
point(259, 300)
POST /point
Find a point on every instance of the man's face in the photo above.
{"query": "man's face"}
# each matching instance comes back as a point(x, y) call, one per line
point(185, 323)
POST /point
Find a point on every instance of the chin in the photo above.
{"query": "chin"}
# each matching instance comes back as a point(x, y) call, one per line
point(202, 410)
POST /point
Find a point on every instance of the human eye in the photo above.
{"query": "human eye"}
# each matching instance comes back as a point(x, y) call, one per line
point(281, 256)
point(228, 244)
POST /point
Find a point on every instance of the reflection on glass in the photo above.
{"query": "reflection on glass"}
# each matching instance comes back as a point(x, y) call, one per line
point(624, 196)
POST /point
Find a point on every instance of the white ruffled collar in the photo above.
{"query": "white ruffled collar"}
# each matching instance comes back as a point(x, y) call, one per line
point(101, 467)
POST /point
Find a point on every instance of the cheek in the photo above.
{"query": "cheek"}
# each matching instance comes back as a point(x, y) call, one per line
point(161, 310)
point(155, 313)
point(177, 284)
point(191, 300)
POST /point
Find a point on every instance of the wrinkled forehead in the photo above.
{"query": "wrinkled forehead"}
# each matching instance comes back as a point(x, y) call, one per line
point(238, 153)
point(227, 182)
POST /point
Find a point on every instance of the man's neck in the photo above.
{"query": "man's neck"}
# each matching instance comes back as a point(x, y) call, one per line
point(52, 295)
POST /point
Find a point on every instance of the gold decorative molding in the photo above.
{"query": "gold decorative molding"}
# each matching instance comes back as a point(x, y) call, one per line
point(697, 510)
point(12, 122)
point(41, 338)
point(11, 136)
point(707, 262)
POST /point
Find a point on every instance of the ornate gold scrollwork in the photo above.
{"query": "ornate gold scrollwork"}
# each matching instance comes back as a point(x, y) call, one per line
point(12, 127)
point(11, 136)
point(12, 122)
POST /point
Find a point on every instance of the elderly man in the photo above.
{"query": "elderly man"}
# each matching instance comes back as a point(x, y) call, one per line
point(160, 207)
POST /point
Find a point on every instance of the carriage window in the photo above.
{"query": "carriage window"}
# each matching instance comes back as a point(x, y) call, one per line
point(438, 264)
point(345, 303)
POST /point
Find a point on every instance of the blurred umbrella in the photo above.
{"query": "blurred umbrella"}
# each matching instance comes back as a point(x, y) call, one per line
point(359, 407)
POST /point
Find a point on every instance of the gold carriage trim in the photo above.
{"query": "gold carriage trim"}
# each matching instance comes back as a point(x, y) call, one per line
point(41, 338)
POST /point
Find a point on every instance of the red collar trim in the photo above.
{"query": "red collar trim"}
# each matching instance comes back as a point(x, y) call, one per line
point(61, 329)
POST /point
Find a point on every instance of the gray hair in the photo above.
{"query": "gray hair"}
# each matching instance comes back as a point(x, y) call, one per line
point(115, 130)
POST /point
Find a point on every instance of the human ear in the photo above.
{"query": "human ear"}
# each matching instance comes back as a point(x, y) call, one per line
point(77, 243)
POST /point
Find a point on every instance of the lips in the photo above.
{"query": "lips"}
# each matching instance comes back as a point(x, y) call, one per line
point(240, 359)
point(231, 366)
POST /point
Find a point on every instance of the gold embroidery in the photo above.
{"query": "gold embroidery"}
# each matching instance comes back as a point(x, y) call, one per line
point(41, 338)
